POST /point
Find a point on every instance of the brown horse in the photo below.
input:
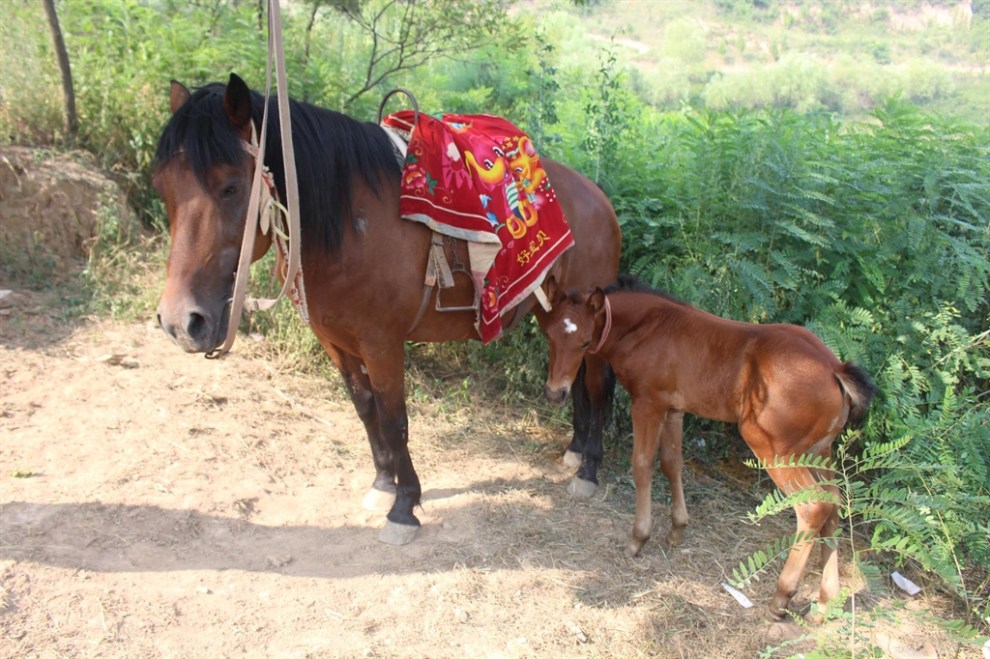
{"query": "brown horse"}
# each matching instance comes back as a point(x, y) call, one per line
point(364, 265)
point(788, 393)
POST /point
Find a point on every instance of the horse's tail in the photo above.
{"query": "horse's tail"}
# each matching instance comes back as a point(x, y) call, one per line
point(858, 385)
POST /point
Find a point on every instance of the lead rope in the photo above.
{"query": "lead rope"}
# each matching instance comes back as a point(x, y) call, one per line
point(251, 223)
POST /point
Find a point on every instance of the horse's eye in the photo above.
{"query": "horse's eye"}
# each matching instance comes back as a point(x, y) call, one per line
point(229, 191)
point(587, 344)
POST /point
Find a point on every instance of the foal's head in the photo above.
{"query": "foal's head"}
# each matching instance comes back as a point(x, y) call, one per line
point(574, 326)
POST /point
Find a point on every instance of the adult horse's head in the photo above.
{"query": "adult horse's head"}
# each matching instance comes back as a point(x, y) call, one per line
point(203, 173)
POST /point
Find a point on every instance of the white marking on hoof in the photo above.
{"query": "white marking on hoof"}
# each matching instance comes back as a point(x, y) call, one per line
point(378, 500)
point(571, 459)
point(397, 534)
point(581, 489)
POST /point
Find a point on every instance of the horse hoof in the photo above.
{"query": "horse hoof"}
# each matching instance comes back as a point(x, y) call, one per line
point(675, 537)
point(581, 489)
point(778, 614)
point(632, 549)
point(397, 534)
point(814, 616)
point(571, 459)
point(378, 501)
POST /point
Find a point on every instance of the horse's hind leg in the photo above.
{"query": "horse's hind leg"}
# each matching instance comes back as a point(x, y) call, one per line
point(812, 519)
point(829, 564)
point(592, 395)
point(672, 465)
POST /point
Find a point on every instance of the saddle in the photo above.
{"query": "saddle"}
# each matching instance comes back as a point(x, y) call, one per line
point(478, 178)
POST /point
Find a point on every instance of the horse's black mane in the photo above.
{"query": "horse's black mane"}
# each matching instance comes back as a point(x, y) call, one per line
point(631, 284)
point(331, 150)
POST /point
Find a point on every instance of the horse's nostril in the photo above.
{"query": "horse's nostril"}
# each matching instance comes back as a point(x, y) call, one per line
point(168, 328)
point(196, 326)
point(556, 396)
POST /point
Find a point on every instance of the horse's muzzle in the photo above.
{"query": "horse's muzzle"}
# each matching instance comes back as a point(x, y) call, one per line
point(556, 395)
point(193, 329)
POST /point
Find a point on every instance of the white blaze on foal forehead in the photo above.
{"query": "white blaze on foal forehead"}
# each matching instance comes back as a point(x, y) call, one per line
point(569, 326)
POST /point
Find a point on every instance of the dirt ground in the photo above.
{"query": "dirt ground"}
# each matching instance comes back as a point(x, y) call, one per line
point(157, 504)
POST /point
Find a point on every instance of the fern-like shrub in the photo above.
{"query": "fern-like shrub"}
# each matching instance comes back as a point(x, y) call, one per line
point(875, 235)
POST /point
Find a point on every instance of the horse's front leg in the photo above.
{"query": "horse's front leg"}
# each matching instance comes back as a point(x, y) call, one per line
point(672, 465)
point(646, 434)
point(592, 395)
point(574, 454)
point(381, 496)
point(386, 375)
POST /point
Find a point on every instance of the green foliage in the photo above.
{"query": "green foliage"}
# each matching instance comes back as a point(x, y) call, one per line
point(885, 520)
point(398, 37)
point(759, 562)
point(876, 236)
point(605, 114)
point(542, 106)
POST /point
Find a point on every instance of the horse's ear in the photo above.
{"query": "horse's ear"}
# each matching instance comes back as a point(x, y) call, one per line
point(177, 96)
point(550, 288)
point(596, 300)
point(237, 103)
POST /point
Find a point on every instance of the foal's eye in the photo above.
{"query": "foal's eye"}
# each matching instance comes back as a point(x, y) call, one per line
point(587, 344)
point(229, 191)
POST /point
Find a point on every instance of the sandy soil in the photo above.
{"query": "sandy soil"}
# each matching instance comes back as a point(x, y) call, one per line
point(156, 504)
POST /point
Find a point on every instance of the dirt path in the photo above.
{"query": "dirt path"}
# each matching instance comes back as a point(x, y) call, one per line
point(155, 504)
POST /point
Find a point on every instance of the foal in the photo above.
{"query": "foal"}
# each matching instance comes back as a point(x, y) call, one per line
point(788, 393)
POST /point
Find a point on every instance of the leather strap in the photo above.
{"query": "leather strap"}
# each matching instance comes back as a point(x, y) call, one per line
point(251, 223)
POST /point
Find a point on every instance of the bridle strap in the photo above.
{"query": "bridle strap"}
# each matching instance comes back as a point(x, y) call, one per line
point(606, 329)
point(237, 300)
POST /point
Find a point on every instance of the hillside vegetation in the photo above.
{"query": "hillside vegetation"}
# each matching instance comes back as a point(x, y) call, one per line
point(843, 56)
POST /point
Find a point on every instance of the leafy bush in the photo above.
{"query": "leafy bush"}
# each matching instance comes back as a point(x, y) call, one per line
point(875, 235)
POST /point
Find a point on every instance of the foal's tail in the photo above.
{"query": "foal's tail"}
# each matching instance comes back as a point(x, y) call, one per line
point(858, 385)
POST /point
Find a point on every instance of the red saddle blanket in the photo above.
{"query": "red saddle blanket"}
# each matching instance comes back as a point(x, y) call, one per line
point(478, 177)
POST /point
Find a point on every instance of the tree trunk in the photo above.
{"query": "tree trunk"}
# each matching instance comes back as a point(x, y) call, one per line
point(69, 119)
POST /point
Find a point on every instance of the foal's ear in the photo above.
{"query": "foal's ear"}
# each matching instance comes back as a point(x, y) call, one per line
point(177, 96)
point(550, 288)
point(237, 103)
point(596, 300)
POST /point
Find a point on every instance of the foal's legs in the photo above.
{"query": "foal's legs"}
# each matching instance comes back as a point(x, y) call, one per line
point(829, 565)
point(814, 519)
point(592, 395)
point(646, 434)
point(672, 465)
